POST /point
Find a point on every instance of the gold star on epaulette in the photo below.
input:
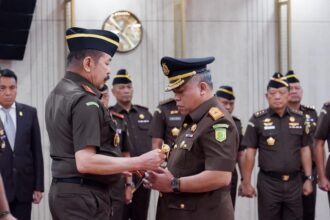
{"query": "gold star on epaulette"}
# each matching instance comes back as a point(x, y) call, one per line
point(260, 113)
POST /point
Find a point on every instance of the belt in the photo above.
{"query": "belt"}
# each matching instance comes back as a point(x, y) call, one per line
point(80, 180)
point(281, 176)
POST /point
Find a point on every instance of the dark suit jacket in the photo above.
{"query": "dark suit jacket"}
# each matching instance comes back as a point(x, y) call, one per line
point(22, 170)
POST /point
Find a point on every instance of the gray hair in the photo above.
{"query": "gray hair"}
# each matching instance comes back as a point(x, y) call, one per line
point(204, 76)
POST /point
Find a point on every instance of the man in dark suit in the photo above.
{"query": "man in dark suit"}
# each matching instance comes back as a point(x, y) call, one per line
point(21, 164)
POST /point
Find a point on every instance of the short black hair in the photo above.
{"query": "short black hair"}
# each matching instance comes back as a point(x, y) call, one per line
point(79, 55)
point(8, 73)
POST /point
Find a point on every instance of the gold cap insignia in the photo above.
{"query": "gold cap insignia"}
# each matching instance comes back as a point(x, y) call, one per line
point(270, 141)
point(141, 116)
point(116, 140)
point(175, 131)
point(292, 119)
point(165, 69)
point(193, 127)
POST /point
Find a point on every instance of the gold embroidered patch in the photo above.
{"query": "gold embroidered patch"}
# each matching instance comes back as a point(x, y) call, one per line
point(215, 113)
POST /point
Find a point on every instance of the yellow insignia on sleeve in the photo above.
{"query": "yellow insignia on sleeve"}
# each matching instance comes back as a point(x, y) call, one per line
point(141, 116)
point(92, 103)
point(220, 132)
point(215, 113)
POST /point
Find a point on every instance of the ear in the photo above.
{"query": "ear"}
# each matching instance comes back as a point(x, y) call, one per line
point(88, 63)
point(203, 88)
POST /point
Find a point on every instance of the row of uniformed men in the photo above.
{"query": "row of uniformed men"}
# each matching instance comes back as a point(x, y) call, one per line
point(86, 141)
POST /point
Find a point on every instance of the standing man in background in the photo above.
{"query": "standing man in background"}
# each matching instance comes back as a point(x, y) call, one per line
point(279, 133)
point(295, 97)
point(322, 134)
point(138, 120)
point(121, 191)
point(21, 165)
point(226, 97)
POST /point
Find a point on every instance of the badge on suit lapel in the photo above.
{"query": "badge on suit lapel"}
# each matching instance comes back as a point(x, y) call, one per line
point(270, 141)
point(20, 113)
point(220, 131)
point(2, 139)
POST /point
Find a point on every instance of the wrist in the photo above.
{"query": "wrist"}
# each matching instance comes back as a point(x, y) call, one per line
point(309, 177)
point(4, 213)
point(175, 184)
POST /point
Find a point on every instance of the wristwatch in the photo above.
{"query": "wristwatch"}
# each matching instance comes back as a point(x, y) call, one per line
point(175, 184)
point(311, 178)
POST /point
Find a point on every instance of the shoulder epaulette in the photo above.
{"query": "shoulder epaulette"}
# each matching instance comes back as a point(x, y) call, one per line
point(140, 106)
point(298, 112)
point(88, 89)
point(117, 114)
point(215, 113)
point(260, 113)
point(235, 118)
point(310, 107)
point(166, 101)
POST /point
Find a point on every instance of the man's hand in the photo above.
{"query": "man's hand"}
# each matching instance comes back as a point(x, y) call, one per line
point(152, 159)
point(159, 179)
point(307, 187)
point(246, 190)
point(128, 194)
point(37, 196)
point(324, 184)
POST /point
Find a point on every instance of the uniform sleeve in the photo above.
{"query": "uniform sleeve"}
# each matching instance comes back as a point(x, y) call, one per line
point(86, 123)
point(323, 124)
point(220, 146)
point(250, 138)
point(157, 127)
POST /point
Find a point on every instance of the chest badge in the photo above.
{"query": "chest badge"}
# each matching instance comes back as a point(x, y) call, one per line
point(292, 119)
point(174, 112)
point(270, 141)
point(185, 125)
point(193, 127)
point(116, 140)
point(141, 116)
point(175, 131)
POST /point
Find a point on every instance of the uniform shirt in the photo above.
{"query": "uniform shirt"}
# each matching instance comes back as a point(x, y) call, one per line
point(323, 126)
point(279, 139)
point(166, 122)
point(239, 127)
point(208, 141)
point(75, 118)
point(138, 120)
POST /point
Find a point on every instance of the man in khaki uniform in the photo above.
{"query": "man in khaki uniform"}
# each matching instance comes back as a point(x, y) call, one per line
point(83, 139)
point(196, 184)
point(226, 97)
point(295, 96)
point(279, 133)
